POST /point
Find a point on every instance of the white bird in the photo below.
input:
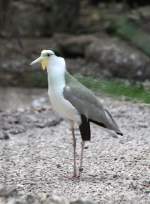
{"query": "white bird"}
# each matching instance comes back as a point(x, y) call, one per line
point(74, 102)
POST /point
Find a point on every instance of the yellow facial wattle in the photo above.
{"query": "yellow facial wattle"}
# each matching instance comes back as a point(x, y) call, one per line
point(44, 64)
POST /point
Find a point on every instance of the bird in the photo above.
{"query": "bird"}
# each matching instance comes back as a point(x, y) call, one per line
point(74, 102)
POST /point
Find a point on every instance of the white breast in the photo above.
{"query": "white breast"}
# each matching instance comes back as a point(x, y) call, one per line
point(62, 106)
point(56, 84)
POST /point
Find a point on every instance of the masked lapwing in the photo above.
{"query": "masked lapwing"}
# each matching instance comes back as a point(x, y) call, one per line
point(74, 102)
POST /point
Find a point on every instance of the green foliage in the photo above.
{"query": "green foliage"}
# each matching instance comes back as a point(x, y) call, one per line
point(40, 79)
point(32, 79)
point(114, 88)
point(129, 30)
point(117, 89)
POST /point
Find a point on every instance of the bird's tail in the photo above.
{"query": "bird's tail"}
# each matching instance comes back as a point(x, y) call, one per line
point(116, 128)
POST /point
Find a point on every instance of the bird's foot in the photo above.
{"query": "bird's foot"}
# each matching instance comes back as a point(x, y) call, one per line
point(73, 177)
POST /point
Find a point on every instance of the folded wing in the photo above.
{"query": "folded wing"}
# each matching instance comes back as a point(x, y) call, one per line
point(87, 104)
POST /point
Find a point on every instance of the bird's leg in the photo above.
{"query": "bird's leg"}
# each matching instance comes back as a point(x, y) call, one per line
point(74, 151)
point(81, 159)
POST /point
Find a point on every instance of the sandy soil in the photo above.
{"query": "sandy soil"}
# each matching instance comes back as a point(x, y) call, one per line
point(36, 155)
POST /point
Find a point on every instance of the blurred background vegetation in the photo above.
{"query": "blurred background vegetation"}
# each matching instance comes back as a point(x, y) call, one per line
point(105, 43)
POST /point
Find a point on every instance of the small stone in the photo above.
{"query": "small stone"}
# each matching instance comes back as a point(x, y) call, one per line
point(80, 169)
point(30, 199)
point(58, 166)
point(4, 136)
point(115, 176)
point(8, 192)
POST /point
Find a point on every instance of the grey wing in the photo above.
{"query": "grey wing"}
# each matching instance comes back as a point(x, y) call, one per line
point(88, 105)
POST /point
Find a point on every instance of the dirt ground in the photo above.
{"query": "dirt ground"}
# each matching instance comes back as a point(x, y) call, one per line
point(36, 155)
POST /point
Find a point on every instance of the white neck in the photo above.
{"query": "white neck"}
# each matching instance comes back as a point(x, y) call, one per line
point(56, 72)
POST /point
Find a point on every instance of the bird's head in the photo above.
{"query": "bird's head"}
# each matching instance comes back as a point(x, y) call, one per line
point(43, 59)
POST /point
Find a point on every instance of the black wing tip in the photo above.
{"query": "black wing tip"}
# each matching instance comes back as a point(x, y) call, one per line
point(119, 133)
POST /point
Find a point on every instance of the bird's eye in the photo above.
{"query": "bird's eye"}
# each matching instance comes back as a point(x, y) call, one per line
point(48, 54)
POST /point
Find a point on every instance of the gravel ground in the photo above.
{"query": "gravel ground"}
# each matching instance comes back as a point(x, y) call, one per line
point(36, 155)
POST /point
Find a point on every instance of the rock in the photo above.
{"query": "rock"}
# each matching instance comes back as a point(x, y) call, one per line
point(48, 123)
point(17, 70)
point(87, 55)
point(117, 59)
point(27, 120)
point(74, 46)
point(21, 53)
point(8, 192)
point(25, 19)
point(4, 135)
point(38, 104)
point(12, 196)
point(129, 28)
point(32, 18)
point(55, 199)
point(81, 202)
point(58, 166)
point(144, 14)
point(17, 130)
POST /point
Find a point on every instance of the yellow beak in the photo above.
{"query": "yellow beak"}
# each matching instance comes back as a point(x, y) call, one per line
point(43, 61)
